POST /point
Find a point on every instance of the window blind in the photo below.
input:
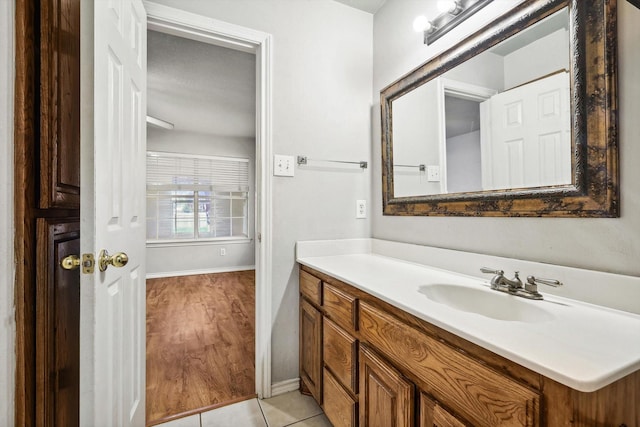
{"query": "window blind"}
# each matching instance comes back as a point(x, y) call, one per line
point(170, 171)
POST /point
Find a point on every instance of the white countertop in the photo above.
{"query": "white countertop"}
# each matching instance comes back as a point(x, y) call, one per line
point(581, 345)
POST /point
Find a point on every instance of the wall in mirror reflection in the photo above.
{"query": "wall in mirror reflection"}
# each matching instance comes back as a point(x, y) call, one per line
point(500, 120)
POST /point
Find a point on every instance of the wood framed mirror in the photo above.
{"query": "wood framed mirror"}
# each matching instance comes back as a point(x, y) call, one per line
point(563, 163)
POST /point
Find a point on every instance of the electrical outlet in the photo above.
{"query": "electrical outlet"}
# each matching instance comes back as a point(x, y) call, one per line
point(433, 173)
point(283, 165)
point(223, 252)
point(361, 209)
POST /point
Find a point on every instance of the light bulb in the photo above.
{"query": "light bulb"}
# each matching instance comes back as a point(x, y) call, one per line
point(422, 23)
point(448, 6)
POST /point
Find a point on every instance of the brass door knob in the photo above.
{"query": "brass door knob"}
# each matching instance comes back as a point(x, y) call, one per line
point(119, 259)
point(70, 262)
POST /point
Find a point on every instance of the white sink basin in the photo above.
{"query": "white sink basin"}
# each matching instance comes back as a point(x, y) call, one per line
point(487, 302)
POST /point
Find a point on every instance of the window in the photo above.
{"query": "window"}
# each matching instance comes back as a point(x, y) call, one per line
point(196, 197)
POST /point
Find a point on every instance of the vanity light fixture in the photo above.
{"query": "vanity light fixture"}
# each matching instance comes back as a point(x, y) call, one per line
point(422, 24)
point(452, 14)
point(449, 6)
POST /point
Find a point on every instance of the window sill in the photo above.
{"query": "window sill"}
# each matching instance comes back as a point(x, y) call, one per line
point(199, 242)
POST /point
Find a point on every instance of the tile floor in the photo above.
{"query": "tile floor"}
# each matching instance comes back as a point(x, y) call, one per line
point(289, 409)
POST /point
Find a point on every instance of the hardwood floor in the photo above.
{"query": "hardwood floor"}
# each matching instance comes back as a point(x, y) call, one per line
point(200, 343)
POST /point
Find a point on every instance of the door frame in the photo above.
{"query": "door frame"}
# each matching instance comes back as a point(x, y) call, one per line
point(208, 30)
point(460, 90)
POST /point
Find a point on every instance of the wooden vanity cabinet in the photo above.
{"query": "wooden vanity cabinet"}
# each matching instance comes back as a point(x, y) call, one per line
point(368, 363)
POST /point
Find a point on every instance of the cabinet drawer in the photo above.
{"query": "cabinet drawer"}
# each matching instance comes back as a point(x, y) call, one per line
point(311, 288)
point(340, 307)
point(340, 355)
point(339, 407)
point(476, 392)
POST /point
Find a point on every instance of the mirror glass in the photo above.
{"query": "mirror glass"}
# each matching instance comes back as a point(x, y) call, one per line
point(500, 120)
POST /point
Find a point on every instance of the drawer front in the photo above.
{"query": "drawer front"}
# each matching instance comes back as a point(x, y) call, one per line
point(311, 288)
point(340, 355)
point(340, 408)
point(340, 307)
point(473, 390)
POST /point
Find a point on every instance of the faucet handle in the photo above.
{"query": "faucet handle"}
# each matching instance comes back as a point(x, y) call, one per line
point(531, 280)
point(532, 284)
point(492, 271)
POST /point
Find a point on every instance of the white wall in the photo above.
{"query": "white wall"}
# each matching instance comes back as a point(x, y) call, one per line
point(321, 105)
point(177, 259)
point(485, 70)
point(7, 271)
point(611, 245)
point(464, 168)
point(540, 58)
point(415, 140)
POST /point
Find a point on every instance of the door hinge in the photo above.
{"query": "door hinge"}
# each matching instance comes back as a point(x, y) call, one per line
point(88, 263)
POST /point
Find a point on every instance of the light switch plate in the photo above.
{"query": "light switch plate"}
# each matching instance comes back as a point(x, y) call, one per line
point(433, 173)
point(283, 165)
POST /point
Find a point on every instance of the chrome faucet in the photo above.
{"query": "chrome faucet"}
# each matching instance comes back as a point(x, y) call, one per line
point(500, 283)
point(515, 286)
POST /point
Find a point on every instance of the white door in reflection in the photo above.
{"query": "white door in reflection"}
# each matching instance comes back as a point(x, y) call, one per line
point(526, 135)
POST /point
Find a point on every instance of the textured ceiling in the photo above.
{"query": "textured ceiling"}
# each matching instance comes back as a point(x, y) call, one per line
point(370, 6)
point(201, 87)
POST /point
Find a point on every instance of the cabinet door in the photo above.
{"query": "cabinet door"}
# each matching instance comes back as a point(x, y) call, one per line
point(59, 99)
point(57, 325)
point(386, 397)
point(340, 408)
point(434, 415)
point(311, 349)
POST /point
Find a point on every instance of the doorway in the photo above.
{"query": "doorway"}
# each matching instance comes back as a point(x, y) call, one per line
point(177, 22)
point(201, 116)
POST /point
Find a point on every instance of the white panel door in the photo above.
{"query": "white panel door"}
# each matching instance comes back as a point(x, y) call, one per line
point(113, 308)
point(528, 143)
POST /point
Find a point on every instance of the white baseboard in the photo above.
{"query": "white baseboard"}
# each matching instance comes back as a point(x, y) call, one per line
point(285, 386)
point(201, 271)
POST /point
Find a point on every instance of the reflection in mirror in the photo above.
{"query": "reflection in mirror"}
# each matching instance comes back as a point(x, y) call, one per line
point(500, 120)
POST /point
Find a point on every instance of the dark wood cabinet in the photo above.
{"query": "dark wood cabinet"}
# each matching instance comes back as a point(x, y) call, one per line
point(58, 325)
point(47, 208)
point(59, 104)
